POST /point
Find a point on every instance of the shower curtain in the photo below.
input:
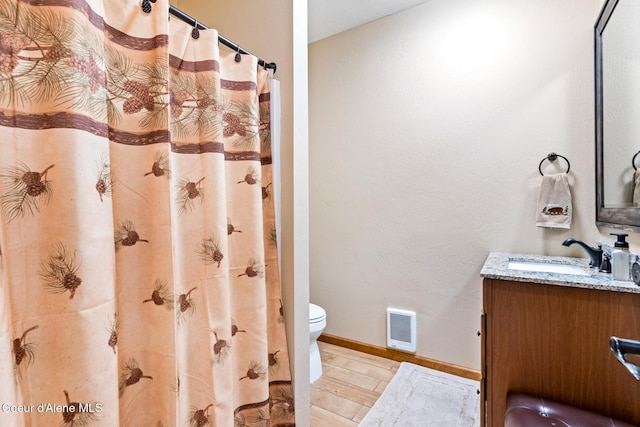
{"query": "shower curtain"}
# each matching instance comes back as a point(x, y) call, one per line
point(138, 260)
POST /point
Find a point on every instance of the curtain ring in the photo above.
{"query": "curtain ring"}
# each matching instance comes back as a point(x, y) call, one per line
point(552, 158)
point(195, 33)
point(238, 57)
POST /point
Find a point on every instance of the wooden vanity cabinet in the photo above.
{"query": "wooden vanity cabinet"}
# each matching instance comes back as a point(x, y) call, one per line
point(553, 341)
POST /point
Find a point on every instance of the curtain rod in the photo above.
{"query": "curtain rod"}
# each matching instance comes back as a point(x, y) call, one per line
point(231, 45)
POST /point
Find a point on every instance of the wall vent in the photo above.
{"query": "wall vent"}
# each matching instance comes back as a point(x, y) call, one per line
point(401, 330)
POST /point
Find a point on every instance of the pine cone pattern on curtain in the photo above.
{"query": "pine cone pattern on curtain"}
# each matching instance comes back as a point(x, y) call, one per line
point(139, 281)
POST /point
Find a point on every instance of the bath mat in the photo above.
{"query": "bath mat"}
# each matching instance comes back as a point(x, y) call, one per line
point(418, 396)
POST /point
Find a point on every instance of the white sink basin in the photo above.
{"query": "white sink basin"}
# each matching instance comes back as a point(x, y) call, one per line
point(546, 267)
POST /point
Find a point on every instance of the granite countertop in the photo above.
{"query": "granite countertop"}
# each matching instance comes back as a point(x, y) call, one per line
point(496, 266)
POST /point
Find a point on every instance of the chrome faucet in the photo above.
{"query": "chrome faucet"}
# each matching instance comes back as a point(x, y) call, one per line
point(594, 253)
point(620, 347)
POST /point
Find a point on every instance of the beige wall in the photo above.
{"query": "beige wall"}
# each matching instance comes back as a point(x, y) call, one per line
point(276, 31)
point(426, 131)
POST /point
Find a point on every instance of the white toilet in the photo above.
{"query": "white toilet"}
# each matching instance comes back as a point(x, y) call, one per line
point(317, 323)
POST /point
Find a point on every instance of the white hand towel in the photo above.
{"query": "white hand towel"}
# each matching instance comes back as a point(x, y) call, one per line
point(636, 188)
point(554, 202)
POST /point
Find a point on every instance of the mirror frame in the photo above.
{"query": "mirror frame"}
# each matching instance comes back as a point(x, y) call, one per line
point(625, 218)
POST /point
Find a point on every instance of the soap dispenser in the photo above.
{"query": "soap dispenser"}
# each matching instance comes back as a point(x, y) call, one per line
point(621, 259)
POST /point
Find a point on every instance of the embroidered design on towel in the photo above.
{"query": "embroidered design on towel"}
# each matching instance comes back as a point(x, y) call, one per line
point(555, 210)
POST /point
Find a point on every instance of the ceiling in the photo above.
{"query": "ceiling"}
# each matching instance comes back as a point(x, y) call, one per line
point(329, 17)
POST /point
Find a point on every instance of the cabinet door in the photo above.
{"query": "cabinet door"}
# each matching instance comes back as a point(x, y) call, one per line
point(553, 341)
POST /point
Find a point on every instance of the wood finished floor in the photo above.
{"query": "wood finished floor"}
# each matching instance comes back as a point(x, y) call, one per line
point(351, 383)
